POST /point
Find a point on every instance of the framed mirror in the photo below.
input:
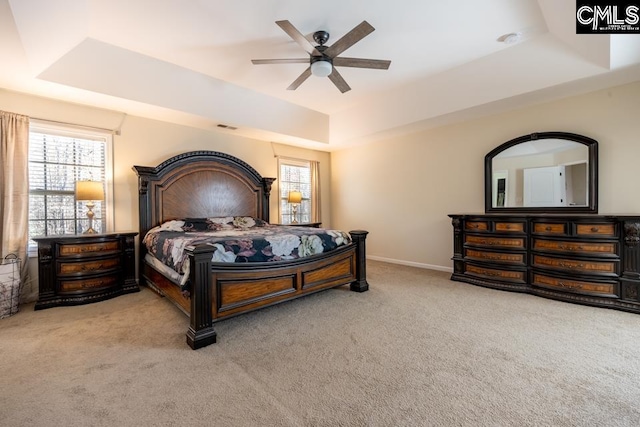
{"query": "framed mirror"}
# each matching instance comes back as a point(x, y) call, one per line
point(543, 172)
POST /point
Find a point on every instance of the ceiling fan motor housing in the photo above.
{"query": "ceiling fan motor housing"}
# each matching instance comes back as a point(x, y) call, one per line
point(324, 57)
point(321, 37)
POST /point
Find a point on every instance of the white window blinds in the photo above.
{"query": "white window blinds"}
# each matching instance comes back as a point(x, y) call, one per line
point(295, 175)
point(57, 159)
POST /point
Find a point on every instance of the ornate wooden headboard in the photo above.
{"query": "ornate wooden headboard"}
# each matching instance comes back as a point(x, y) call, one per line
point(200, 184)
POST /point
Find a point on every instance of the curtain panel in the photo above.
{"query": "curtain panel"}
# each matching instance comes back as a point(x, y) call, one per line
point(315, 191)
point(14, 187)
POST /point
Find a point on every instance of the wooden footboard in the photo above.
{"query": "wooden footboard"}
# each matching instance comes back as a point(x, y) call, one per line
point(222, 290)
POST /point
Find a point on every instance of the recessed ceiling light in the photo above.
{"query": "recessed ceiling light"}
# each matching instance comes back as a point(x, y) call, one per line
point(511, 38)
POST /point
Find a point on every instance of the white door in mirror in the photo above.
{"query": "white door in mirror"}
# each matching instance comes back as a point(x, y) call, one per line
point(545, 186)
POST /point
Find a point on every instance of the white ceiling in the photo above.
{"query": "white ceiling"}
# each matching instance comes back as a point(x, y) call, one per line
point(190, 61)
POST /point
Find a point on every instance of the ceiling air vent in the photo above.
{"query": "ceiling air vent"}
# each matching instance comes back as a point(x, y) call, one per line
point(223, 126)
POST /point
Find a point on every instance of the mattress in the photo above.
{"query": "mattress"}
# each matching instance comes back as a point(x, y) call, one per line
point(237, 239)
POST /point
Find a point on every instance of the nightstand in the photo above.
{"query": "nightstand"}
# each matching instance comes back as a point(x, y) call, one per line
point(84, 268)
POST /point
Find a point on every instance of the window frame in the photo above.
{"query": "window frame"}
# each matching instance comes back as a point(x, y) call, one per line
point(99, 136)
point(281, 196)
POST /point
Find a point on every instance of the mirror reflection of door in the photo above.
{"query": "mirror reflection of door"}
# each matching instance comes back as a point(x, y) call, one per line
point(500, 188)
point(577, 177)
point(545, 186)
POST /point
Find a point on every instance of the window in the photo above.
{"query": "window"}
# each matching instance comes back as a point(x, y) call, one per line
point(58, 157)
point(295, 175)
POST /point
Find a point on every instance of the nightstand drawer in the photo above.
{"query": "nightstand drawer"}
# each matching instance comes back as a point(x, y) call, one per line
point(95, 266)
point(96, 283)
point(84, 248)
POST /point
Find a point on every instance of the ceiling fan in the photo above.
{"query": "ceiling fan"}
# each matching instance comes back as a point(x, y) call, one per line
point(323, 59)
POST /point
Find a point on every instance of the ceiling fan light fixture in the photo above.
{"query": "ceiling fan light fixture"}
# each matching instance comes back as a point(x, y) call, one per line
point(321, 68)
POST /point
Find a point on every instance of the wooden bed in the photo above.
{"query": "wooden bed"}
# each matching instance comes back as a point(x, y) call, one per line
point(202, 184)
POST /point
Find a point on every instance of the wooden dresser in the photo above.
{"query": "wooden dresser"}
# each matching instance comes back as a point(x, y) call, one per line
point(79, 269)
point(586, 259)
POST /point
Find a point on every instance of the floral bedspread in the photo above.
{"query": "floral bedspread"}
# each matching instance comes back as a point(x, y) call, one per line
point(238, 239)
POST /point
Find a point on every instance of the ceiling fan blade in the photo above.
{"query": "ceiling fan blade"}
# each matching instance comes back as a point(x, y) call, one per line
point(298, 37)
point(378, 64)
point(352, 37)
point(337, 80)
point(297, 82)
point(280, 61)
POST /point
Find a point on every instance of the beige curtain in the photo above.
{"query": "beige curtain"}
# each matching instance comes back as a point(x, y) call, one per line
point(14, 186)
point(315, 192)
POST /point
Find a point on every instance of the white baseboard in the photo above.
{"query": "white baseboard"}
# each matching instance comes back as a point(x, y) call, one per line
point(411, 263)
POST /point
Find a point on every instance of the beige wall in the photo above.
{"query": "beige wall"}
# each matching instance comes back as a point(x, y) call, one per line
point(402, 189)
point(148, 142)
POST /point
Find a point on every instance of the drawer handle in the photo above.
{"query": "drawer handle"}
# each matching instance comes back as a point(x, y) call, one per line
point(594, 229)
point(90, 268)
point(569, 265)
point(547, 228)
point(570, 286)
point(571, 248)
point(508, 227)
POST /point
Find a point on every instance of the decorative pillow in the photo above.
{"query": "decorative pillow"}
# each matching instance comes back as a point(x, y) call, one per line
point(222, 223)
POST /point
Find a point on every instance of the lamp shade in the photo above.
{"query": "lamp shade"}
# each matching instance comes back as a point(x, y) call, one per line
point(294, 197)
point(321, 68)
point(89, 190)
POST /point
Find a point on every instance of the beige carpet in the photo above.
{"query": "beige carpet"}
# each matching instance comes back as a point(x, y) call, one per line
point(416, 350)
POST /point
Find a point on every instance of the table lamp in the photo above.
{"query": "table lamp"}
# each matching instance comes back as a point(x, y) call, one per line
point(89, 192)
point(295, 197)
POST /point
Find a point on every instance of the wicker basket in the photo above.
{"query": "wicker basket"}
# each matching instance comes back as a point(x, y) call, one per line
point(9, 286)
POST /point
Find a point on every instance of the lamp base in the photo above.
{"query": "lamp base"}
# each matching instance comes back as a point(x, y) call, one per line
point(90, 215)
point(294, 219)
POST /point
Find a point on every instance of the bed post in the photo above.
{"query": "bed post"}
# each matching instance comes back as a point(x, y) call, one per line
point(360, 284)
point(200, 332)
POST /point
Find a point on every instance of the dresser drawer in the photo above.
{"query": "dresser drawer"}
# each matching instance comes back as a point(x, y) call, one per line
point(89, 284)
point(476, 225)
point(95, 266)
point(506, 242)
point(71, 249)
point(509, 227)
point(599, 267)
point(599, 248)
point(499, 257)
point(513, 276)
point(579, 286)
point(596, 230)
point(552, 228)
